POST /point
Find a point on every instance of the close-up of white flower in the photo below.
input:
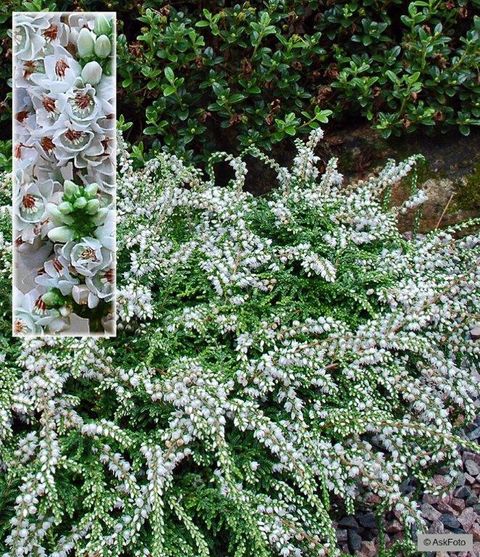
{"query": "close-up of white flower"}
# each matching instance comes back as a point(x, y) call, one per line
point(61, 72)
point(87, 256)
point(31, 209)
point(34, 317)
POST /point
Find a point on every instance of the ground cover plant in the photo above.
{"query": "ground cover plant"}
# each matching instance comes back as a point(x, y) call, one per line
point(278, 360)
point(201, 76)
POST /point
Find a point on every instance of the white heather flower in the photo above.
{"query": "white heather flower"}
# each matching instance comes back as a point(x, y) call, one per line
point(31, 315)
point(57, 274)
point(61, 72)
point(28, 37)
point(31, 209)
point(82, 105)
point(100, 286)
point(87, 256)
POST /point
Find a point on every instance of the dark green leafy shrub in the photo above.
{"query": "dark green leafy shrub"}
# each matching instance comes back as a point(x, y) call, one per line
point(262, 71)
point(199, 77)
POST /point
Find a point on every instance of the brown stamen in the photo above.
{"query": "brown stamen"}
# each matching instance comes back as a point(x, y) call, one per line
point(28, 68)
point(61, 67)
point(40, 304)
point(83, 100)
point(51, 33)
point(89, 253)
point(19, 326)
point(109, 275)
point(29, 201)
point(18, 151)
point(49, 104)
point(57, 265)
point(47, 144)
point(20, 116)
point(72, 135)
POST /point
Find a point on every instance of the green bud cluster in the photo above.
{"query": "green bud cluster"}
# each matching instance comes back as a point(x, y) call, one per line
point(78, 213)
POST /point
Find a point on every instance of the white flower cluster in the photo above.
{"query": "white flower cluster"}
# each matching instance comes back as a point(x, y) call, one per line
point(269, 371)
point(64, 173)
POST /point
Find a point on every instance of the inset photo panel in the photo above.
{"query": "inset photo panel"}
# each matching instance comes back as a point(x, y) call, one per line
point(63, 187)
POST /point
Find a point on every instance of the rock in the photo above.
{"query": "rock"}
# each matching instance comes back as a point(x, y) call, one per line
point(467, 518)
point(470, 479)
point(342, 535)
point(349, 522)
point(430, 499)
point(472, 467)
point(463, 492)
point(368, 535)
point(467, 455)
point(475, 531)
point(444, 508)
point(367, 520)
point(373, 499)
point(440, 480)
point(457, 504)
point(394, 528)
point(436, 527)
point(354, 540)
point(368, 549)
point(475, 333)
point(429, 512)
point(475, 434)
point(450, 522)
point(471, 501)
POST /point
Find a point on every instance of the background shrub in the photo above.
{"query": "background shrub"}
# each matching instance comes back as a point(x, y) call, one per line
point(202, 76)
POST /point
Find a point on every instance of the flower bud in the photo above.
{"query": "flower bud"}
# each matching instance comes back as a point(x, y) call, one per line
point(100, 216)
point(61, 234)
point(92, 73)
point(80, 203)
point(52, 298)
point(92, 206)
point(70, 189)
point(91, 189)
point(103, 46)
point(68, 219)
point(102, 25)
point(85, 43)
point(65, 207)
point(80, 294)
point(54, 213)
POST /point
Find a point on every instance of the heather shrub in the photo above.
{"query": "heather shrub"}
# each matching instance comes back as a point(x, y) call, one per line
point(279, 360)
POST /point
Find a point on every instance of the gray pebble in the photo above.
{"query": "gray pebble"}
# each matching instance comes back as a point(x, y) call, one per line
point(450, 522)
point(472, 468)
point(354, 540)
point(367, 520)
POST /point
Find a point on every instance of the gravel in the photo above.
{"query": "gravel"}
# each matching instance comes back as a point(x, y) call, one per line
point(456, 511)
